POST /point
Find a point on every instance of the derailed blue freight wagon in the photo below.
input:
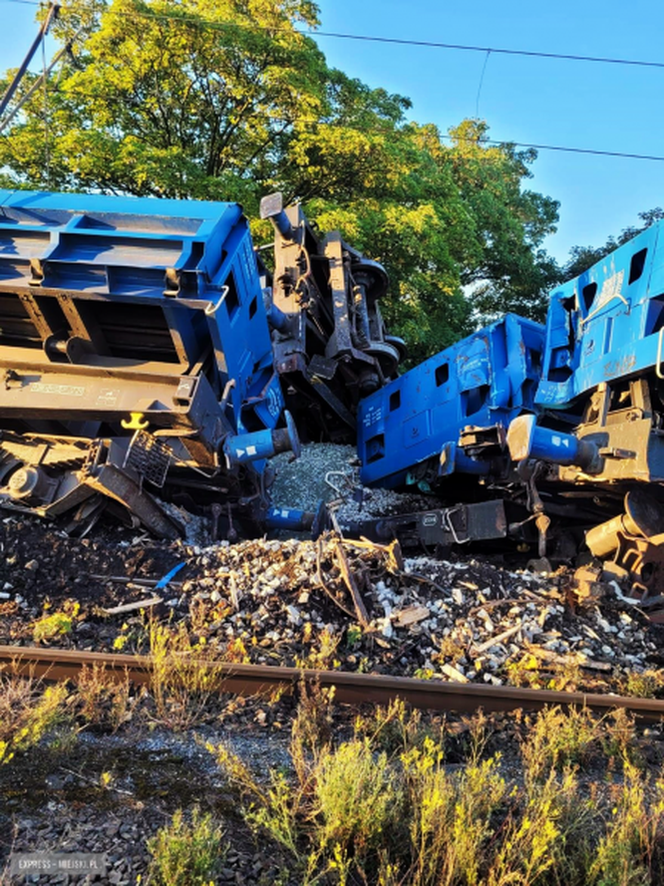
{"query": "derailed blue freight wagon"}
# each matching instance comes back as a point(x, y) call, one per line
point(137, 346)
point(441, 428)
point(133, 343)
point(565, 421)
point(449, 415)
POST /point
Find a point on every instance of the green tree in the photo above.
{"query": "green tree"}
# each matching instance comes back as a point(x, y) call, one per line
point(227, 100)
point(512, 271)
point(173, 100)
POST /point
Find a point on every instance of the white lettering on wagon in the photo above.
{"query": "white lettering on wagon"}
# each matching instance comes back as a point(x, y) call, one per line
point(40, 387)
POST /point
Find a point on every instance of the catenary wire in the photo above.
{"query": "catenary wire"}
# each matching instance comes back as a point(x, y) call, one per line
point(564, 148)
point(374, 38)
point(495, 143)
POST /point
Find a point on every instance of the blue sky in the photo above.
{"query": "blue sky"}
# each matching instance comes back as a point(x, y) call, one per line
point(544, 101)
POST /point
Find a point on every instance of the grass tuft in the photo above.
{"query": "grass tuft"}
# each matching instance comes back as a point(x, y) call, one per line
point(558, 739)
point(185, 678)
point(629, 853)
point(648, 684)
point(103, 702)
point(28, 713)
point(187, 853)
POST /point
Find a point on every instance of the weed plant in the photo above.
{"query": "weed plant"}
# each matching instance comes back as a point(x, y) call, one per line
point(187, 852)
point(186, 677)
point(28, 713)
point(382, 807)
point(103, 704)
point(59, 624)
point(646, 684)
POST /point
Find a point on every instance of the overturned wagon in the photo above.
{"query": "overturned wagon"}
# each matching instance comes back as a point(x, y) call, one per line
point(137, 358)
point(547, 434)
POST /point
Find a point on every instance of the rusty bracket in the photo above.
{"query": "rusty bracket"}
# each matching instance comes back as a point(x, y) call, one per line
point(643, 558)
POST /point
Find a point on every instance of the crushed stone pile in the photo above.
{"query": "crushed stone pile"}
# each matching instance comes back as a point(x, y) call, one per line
point(465, 620)
point(302, 483)
point(329, 472)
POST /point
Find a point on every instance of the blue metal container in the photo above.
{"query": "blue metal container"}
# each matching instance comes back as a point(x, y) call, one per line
point(449, 411)
point(606, 324)
point(170, 287)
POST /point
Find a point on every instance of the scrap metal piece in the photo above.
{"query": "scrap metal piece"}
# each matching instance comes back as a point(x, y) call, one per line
point(643, 518)
point(113, 482)
point(643, 559)
point(149, 457)
point(349, 580)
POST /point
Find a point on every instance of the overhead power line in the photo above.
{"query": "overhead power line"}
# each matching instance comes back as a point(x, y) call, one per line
point(432, 44)
point(399, 41)
point(51, 16)
point(493, 142)
point(564, 148)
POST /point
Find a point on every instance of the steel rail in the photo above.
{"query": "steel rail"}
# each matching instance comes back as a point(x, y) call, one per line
point(349, 688)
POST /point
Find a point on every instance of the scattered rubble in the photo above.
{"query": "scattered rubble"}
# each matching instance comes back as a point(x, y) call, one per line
point(332, 603)
point(329, 603)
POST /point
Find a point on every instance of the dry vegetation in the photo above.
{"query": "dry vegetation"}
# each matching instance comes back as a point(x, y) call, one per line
point(187, 852)
point(384, 803)
point(383, 807)
point(29, 713)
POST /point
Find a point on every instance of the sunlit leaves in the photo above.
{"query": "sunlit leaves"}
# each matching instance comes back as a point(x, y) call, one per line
point(227, 100)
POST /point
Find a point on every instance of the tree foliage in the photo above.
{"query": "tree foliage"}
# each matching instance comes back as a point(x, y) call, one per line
point(512, 272)
point(174, 100)
point(227, 100)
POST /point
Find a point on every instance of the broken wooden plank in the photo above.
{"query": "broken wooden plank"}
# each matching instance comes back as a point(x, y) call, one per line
point(358, 602)
point(499, 638)
point(409, 616)
point(393, 550)
point(124, 580)
point(455, 675)
point(577, 659)
point(132, 607)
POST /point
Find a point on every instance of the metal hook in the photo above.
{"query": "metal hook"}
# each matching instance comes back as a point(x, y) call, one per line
point(213, 310)
point(137, 422)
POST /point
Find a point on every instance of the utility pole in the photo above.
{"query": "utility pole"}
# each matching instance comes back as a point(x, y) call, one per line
point(53, 10)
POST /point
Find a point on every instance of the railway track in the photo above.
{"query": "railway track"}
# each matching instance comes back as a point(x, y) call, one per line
point(350, 688)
